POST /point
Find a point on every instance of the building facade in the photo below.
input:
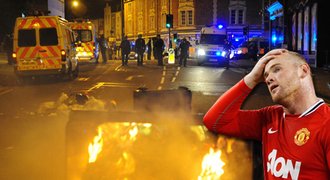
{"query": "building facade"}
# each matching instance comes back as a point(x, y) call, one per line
point(148, 17)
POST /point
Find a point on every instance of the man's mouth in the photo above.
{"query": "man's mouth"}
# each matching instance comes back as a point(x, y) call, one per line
point(272, 87)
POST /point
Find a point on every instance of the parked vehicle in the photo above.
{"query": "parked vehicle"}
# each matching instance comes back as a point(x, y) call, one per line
point(86, 40)
point(44, 45)
point(254, 48)
point(212, 46)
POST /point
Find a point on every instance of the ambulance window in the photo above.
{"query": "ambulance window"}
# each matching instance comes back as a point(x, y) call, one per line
point(84, 35)
point(48, 36)
point(26, 37)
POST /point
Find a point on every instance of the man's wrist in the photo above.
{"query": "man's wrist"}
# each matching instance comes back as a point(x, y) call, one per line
point(249, 81)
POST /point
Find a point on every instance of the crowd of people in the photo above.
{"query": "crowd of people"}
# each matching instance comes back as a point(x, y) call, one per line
point(153, 47)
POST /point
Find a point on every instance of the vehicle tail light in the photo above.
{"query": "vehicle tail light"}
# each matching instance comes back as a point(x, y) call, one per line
point(14, 55)
point(63, 55)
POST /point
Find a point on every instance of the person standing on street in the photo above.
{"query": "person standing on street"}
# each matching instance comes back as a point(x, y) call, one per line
point(8, 47)
point(159, 48)
point(140, 47)
point(103, 46)
point(228, 48)
point(184, 51)
point(295, 133)
point(149, 49)
point(125, 47)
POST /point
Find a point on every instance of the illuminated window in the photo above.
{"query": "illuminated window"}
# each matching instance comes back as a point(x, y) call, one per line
point(190, 18)
point(237, 12)
point(183, 17)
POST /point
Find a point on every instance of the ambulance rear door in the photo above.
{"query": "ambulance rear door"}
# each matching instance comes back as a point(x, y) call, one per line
point(38, 44)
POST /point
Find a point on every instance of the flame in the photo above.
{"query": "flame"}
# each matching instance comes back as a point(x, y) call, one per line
point(212, 166)
point(133, 132)
point(95, 147)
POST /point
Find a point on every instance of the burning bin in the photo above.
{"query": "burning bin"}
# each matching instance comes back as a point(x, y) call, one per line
point(162, 100)
point(147, 144)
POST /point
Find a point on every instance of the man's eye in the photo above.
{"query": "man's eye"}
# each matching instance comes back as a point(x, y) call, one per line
point(276, 69)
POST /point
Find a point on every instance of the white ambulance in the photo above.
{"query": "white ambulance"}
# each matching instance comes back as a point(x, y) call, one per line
point(86, 40)
point(212, 46)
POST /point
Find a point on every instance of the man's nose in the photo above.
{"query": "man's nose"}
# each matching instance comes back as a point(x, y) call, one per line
point(269, 79)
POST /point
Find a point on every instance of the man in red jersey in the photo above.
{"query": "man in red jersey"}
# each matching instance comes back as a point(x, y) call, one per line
point(295, 134)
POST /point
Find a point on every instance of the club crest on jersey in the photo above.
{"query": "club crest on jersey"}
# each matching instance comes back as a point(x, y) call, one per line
point(301, 136)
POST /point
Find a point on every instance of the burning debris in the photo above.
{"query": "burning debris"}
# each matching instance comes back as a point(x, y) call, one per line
point(212, 166)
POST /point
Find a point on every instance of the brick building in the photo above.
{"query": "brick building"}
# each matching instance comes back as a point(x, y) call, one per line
point(148, 17)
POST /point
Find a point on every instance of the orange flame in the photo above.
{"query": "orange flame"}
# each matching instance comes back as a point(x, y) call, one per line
point(95, 147)
point(212, 166)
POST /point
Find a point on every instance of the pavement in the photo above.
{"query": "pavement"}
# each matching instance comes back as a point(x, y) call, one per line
point(321, 76)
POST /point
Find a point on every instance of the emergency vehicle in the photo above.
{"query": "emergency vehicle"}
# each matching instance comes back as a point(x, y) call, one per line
point(212, 45)
point(86, 40)
point(44, 45)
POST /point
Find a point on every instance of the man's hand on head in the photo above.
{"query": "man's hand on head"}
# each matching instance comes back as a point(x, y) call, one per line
point(256, 75)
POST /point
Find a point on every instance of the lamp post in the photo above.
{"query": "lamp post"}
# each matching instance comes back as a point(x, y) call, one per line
point(169, 29)
point(122, 18)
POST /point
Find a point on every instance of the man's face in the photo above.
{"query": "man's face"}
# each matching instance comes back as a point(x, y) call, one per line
point(282, 78)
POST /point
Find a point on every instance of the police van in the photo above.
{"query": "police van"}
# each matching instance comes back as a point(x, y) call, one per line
point(86, 40)
point(44, 45)
point(212, 46)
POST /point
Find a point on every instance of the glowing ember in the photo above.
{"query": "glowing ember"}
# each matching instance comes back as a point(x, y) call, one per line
point(212, 166)
point(133, 132)
point(95, 147)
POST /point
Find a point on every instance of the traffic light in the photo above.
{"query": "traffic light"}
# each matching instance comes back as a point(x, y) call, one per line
point(169, 20)
point(175, 37)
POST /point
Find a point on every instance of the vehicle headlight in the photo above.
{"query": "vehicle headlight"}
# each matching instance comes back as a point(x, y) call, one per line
point(136, 55)
point(201, 52)
point(239, 51)
point(231, 55)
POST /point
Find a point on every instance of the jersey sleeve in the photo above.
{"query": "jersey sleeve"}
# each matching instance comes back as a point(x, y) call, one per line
point(226, 117)
point(326, 141)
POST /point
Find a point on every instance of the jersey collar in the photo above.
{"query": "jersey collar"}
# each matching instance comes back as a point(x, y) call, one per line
point(311, 109)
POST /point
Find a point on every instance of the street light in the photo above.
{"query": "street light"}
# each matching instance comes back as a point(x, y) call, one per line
point(75, 3)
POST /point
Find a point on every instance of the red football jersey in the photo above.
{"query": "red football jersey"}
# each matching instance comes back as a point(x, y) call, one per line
point(293, 146)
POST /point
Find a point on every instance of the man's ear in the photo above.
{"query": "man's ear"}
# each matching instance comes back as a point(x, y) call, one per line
point(304, 70)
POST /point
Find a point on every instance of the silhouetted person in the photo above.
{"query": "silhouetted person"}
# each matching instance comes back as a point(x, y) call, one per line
point(125, 50)
point(159, 48)
point(103, 46)
point(149, 49)
point(8, 47)
point(184, 51)
point(140, 47)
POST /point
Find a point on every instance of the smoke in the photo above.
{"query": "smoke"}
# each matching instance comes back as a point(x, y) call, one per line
point(150, 144)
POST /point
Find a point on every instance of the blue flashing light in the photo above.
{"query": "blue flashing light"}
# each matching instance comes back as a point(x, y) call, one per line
point(236, 39)
point(274, 38)
point(218, 53)
point(220, 26)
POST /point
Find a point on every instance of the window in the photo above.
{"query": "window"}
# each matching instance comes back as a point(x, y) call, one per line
point(237, 16)
point(83, 35)
point(212, 39)
point(183, 17)
point(190, 18)
point(240, 16)
point(48, 36)
point(232, 16)
point(26, 37)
